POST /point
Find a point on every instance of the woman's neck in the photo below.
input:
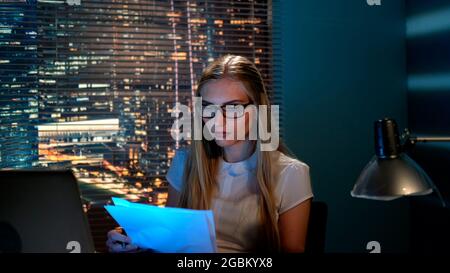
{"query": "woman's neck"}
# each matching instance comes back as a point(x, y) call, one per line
point(239, 151)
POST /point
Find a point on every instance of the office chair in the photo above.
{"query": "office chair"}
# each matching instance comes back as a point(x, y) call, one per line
point(317, 227)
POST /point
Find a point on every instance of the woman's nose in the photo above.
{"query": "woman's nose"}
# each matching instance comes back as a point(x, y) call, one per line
point(220, 121)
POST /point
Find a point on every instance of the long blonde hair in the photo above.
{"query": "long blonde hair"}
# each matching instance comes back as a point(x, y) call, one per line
point(202, 164)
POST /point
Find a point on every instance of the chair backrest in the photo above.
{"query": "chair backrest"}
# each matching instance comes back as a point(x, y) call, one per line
point(317, 228)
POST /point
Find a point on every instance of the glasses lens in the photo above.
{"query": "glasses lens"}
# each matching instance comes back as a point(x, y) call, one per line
point(229, 111)
point(233, 111)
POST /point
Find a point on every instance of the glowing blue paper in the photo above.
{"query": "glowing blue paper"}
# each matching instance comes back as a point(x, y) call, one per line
point(171, 230)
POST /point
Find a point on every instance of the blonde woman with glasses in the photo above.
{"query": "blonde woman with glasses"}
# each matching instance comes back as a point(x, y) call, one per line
point(261, 199)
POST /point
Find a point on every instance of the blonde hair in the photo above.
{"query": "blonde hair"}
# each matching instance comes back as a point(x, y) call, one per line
point(202, 164)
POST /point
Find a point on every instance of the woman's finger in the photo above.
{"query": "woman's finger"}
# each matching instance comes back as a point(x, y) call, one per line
point(116, 236)
point(109, 243)
point(122, 248)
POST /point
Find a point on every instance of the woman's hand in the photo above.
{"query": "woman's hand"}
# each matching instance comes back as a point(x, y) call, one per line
point(118, 242)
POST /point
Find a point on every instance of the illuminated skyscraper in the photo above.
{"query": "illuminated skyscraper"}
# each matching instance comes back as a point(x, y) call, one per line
point(89, 84)
point(18, 85)
point(128, 61)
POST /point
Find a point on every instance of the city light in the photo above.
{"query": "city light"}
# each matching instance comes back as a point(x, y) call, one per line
point(89, 85)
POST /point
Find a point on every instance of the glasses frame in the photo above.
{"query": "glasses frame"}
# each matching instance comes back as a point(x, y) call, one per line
point(223, 110)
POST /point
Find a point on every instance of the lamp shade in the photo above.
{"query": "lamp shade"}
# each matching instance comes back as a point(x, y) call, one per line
point(391, 178)
point(391, 173)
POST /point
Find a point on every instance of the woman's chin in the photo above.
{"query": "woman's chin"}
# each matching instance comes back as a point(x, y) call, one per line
point(225, 143)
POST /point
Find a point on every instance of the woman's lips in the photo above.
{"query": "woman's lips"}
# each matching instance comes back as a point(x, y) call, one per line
point(221, 134)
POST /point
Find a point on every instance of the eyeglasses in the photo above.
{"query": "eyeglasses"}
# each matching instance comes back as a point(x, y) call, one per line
point(229, 111)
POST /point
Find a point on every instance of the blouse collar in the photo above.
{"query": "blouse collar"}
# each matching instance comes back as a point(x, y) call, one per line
point(240, 167)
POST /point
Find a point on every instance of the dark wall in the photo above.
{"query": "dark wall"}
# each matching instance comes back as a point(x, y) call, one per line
point(428, 62)
point(428, 68)
point(343, 68)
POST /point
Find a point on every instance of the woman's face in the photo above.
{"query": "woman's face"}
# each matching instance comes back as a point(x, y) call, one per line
point(226, 92)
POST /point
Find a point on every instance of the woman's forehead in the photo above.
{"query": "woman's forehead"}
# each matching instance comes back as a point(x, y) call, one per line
point(223, 90)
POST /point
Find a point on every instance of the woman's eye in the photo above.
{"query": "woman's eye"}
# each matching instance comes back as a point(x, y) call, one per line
point(234, 106)
point(230, 105)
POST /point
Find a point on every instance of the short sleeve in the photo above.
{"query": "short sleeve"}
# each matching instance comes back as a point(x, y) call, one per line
point(176, 170)
point(294, 185)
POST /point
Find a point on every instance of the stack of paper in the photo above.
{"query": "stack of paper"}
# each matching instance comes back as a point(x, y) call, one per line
point(171, 230)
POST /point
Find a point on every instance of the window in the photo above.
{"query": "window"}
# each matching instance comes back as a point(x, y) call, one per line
point(88, 84)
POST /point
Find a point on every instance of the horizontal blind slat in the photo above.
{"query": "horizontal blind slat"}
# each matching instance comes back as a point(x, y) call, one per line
point(121, 64)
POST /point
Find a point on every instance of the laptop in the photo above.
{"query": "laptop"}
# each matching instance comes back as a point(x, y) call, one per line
point(41, 212)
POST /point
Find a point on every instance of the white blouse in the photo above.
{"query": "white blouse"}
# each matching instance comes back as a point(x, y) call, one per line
point(236, 206)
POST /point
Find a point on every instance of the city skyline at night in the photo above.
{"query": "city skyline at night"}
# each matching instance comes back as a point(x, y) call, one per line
point(90, 85)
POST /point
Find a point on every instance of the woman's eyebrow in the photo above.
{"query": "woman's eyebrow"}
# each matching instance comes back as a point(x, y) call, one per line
point(227, 102)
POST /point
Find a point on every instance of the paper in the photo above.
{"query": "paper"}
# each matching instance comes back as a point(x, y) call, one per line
point(168, 230)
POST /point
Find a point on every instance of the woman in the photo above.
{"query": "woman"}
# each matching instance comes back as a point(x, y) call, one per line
point(260, 199)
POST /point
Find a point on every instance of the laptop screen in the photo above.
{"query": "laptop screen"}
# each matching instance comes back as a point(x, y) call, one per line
point(41, 212)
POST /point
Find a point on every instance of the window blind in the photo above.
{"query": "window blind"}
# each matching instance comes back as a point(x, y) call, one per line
point(89, 84)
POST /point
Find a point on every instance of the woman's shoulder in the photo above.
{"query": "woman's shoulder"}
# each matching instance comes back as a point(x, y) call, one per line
point(182, 151)
point(179, 158)
point(176, 169)
point(285, 164)
point(293, 183)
